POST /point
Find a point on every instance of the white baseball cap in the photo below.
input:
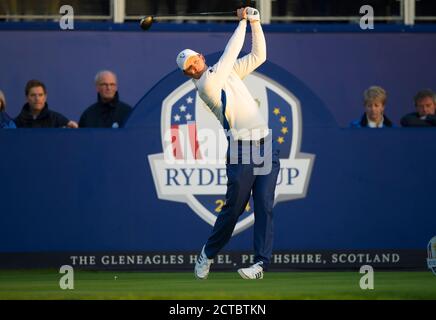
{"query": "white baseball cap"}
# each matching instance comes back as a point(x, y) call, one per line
point(183, 57)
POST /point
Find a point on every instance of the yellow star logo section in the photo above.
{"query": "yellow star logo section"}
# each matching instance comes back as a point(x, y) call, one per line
point(284, 130)
point(276, 111)
point(280, 140)
point(283, 119)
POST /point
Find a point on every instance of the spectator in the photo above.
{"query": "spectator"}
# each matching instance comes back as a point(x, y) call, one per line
point(5, 121)
point(374, 117)
point(108, 111)
point(425, 115)
point(36, 114)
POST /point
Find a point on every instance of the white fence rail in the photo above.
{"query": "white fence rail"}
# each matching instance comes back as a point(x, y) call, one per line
point(117, 14)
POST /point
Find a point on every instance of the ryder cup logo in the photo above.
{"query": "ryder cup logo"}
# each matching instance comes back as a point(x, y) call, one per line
point(431, 255)
point(192, 167)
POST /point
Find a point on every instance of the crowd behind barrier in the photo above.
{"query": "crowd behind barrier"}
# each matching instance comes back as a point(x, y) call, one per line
point(110, 112)
point(107, 112)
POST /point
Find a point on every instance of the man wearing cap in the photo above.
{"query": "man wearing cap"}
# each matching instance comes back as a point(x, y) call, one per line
point(222, 89)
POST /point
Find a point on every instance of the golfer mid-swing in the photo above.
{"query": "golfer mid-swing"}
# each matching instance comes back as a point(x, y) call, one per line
point(222, 89)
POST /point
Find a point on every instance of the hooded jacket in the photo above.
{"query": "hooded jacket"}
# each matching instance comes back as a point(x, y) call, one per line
point(105, 115)
point(46, 118)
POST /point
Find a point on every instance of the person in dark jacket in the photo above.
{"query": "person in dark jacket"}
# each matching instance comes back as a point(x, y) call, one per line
point(36, 114)
point(108, 111)
point(425, 115)
point(5, 121)
point(374, 117)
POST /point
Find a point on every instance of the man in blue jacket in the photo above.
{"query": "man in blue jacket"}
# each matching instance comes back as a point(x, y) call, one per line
point(36, 114)
point(425, 115)
point(108, 111)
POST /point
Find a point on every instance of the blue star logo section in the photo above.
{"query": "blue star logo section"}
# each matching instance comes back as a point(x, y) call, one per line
point(280, 122)
point(184, 128)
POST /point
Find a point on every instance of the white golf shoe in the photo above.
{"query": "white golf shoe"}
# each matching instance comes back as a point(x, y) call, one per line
point(252, 273)
point(202, 266)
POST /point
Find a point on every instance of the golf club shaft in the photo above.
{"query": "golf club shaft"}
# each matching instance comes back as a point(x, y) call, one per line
point(222, 13)
point(225, 13)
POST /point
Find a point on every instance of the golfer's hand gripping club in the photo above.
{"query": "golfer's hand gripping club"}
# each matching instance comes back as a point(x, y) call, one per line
point(241, 13)
point(252, 14)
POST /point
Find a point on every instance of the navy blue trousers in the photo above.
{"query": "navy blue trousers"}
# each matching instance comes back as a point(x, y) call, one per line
point(241, 182)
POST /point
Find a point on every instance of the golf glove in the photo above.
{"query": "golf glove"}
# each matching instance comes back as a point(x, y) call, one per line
point(253, 14)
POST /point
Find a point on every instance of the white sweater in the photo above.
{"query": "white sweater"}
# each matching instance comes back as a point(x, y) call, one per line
point(242, 112)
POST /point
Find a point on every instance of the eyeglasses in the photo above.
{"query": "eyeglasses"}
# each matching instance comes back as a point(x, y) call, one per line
point(107, 84)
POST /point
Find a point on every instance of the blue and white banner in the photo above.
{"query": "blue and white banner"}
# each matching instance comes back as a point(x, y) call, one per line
point(192, 167)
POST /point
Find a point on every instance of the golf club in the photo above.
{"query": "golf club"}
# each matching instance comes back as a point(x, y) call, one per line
point(147, 21)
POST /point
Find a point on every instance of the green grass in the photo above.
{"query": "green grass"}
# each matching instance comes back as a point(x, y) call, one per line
point(44, 284)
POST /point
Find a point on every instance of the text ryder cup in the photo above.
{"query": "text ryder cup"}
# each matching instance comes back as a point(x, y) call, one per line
point(216, 176)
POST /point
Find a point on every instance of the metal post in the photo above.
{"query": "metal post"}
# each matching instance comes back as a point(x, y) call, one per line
point(409, 12)
point(401, 8)
point(265, 11)
point(119, 10)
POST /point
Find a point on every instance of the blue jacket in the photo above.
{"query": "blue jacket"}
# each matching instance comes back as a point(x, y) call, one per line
point(105, 115)
point(6, 122)
point(413, 120)
point(46, 119)
point(363, 122)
